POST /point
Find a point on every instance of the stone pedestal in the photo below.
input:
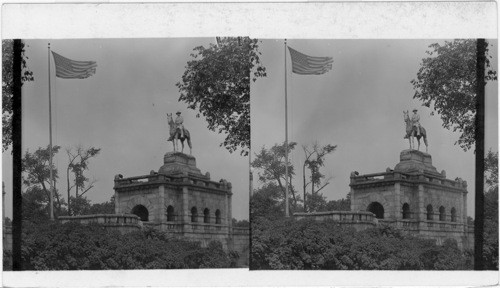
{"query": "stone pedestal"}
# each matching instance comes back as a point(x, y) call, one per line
point(414, 161)
point(179, 163)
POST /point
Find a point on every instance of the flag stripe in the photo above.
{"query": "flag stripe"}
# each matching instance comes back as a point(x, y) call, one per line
point(71, 69)
point(308, 65)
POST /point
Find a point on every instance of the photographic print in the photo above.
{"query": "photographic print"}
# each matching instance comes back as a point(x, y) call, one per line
point(363, 155)
point(134, 153)
point(142, 209)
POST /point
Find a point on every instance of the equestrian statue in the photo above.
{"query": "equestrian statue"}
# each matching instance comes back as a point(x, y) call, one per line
point(414, 130)
point(178, 132)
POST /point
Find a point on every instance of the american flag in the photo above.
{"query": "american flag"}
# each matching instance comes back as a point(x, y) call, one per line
point(309, 65)
point(71, 69)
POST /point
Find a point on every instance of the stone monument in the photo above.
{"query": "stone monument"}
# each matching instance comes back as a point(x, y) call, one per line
point(183, 202)
point(416, 197)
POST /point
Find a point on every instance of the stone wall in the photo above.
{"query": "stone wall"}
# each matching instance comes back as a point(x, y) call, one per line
point(7, 238)
point(240, 242)
point(124, 223)
point(358, 220)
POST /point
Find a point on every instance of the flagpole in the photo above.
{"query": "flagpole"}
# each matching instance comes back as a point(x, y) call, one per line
point(50, 147)
point(287, 213)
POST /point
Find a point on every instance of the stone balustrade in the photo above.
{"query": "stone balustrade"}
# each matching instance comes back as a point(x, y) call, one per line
point(428, 225)
point(162, 178)
point(122, 222)
point(395, 175)
point(358, 219)
point(241, 230)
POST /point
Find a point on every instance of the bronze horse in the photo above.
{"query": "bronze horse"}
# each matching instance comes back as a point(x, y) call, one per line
point(175, 134)
point(411, 133)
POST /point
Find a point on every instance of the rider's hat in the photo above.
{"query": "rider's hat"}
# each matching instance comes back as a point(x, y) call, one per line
point(178, 112)
point(414, 109)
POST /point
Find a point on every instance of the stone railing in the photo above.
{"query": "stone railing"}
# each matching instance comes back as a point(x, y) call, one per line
point(340, 216)
point(161, 178)
point(394, 175)
point(241, 230)
point(191, 227)
point(105, 219)
point(429, 225)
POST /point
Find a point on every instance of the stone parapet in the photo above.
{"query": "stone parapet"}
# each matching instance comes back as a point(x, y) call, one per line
point(389, 178)
point(358, 219)
point(122, 222)
point(155, 180)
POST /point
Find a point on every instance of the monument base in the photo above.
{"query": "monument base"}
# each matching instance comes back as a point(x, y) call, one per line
point(178, 163)
point(415, 161)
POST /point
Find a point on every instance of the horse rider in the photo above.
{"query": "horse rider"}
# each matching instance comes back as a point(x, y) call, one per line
point(415, 120)
point(178, 123)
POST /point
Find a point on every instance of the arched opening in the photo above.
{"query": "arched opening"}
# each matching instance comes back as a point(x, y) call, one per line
point(442, 215)
point(194, 214)
point(453, 215)
point(217, 217)
point(142, 212)
point(170, 213)
point(377, 209)
point(206, 216)
point(406, 211)
point(430, 213)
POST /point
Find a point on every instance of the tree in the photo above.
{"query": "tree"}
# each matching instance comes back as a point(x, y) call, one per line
point(107, 207)
point(79, 205)
point(447, 81)
point(490, 248)
point(7, 86)
point(267, 202)
point(36, 173)
point(315, 202)
point(217, 84)
point(343, 204)
point(272, 166)
point(78, 162)
point(315, 159)
point(241, 223)
point(35, 204)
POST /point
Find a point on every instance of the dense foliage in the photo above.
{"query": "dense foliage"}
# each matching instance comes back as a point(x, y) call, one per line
point(490, 245)
point(307, 244)
point(271, 166)
point(7, 86)
point(71, 246)
point(217, 84)
point(447, 81)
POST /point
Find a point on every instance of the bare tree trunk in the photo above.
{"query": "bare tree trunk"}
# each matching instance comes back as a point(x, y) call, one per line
point(69, 189)
point(304, 185)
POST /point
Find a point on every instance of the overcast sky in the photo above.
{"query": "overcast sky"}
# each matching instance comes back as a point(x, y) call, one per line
point(358, 106)
point(122, 110)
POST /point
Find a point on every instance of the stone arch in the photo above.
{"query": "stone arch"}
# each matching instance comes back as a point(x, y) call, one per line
point(377, 209)
point(141, 200)
point(206, 215)
point(430, 212)
point(442, 215)
point(170, 213)
point(453, 214)
point(194, 214)
point(141, 211)
point(406, 211)
point(217, 217)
